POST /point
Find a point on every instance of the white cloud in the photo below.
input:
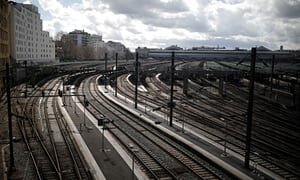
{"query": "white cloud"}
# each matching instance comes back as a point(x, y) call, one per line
point(160, 23)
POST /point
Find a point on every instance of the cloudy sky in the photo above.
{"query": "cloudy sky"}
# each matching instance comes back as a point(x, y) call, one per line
point(187, 23)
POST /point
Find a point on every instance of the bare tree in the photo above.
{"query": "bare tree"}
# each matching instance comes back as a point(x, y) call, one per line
point(71, 51)
point(88, 52)
point(58, 35)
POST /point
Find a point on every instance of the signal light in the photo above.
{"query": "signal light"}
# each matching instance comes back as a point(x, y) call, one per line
point(86, 103)
point(59, 93)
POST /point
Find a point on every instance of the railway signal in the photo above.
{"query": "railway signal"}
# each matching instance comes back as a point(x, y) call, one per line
point(156, 109)
point(86, 103)
point(173, 104)
point(100, 121)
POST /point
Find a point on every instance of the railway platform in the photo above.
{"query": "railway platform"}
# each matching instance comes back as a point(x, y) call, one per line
point(230, 161)
point(105, 162)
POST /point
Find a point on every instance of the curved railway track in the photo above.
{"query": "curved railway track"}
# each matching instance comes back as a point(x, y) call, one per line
point(178, 161)
point(235, 140)
point(52, 151)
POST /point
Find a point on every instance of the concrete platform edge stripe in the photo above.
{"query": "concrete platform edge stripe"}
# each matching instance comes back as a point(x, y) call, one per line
point(93, 166)
point(223, 164)
point(137, 170)
point(238, 156)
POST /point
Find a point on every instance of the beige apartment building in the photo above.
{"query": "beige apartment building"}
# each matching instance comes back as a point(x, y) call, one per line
point(4, 42)
point(28, 41)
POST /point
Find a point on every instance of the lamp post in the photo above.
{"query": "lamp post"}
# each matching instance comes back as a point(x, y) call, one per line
point(145, 106)
point(182, 124)
point(75, 101)
point(104, 122)
point(105, 67)
point(136, 80)
point(86, 104)
point(70, 96)
point(224, 154)
point(26, 86)
point(116, 76)
point(183, 120)
point(103, 137)
point(63, 90)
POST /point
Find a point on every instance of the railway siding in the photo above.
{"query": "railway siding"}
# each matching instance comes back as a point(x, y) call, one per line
point(210, 156)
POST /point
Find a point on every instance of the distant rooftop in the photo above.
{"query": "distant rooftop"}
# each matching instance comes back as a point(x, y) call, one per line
point(173, 47)
point(262, 48)
point(76, 31)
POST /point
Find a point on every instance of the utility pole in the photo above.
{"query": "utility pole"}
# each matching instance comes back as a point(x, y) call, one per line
point(136, 79)
point(116, 76)
point(63, 90)
point(171, 104)
point(25, 65)
point(272, 74)
point(221, 85)
point(250, 108)
point(11, 149)
point(185, 82)
point(105, 69)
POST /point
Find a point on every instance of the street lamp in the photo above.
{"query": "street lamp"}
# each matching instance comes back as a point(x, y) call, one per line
point(225, 154)
point(102, 121)
point(116, 76)
point(75, 106)
point(182, 124)
point(103, 137)
point(86, 104)
point(105, 69)
point(63, 90)
point(26, 86)
point(145, 106)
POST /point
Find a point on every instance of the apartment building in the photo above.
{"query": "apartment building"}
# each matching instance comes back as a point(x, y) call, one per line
point(80, 38)
point(28, 41)
point(4, 42)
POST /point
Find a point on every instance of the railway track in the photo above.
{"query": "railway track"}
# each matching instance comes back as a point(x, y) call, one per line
point(43, 163)
point(52, 151)
point(264, 152)
point(234, 145)
point(177, 160)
